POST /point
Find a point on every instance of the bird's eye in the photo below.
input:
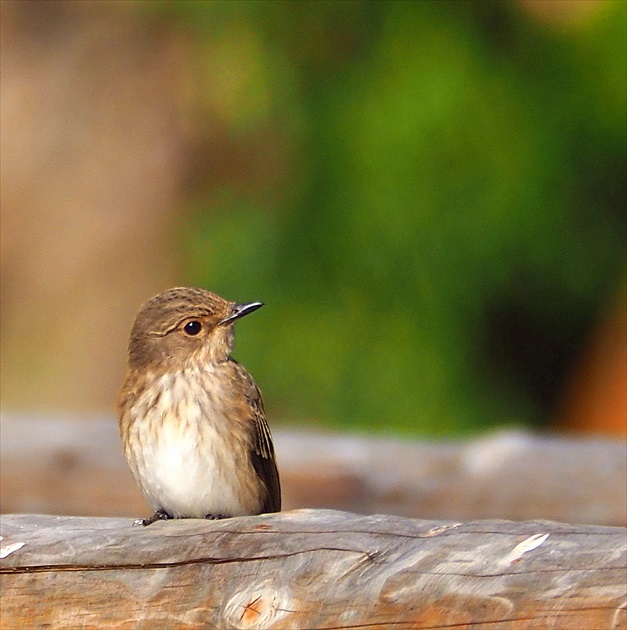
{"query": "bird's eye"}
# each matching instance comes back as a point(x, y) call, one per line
point(192, 328)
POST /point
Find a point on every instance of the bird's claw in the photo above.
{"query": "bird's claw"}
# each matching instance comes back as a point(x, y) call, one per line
point(159, 515)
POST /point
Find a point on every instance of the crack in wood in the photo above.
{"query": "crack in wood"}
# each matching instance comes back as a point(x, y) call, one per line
point(53, 568)
point(466, 624)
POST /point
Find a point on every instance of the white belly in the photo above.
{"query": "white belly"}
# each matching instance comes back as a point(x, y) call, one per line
point(185, 465)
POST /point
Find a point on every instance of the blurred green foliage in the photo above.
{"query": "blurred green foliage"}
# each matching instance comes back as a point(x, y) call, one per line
point(429, 197)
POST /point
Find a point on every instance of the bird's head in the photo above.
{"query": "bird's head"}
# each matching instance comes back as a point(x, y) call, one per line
point(183, 326)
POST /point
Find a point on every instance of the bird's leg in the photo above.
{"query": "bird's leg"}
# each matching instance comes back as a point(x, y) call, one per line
point(214, 517)
point(159, 515)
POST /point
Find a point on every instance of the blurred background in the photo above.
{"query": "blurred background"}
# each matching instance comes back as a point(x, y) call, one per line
point(430, 198)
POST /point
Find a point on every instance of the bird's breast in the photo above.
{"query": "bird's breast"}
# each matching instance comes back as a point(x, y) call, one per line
point(188, 450)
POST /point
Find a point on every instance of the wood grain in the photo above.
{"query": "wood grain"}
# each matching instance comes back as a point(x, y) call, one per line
point(311, 569)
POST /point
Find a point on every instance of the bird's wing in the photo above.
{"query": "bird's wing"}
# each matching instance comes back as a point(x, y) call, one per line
point(262, 449)
point(264, 461)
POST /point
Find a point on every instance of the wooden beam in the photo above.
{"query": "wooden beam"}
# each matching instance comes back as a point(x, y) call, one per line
point(311, 569)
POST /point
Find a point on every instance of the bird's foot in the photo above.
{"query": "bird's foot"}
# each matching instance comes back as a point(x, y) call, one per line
point(214, 517)
point(159, 515)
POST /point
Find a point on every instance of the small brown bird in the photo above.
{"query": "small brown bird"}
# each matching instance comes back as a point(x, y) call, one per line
point(191, 418)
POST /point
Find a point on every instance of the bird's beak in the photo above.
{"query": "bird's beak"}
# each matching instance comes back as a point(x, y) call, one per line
point(239, 310)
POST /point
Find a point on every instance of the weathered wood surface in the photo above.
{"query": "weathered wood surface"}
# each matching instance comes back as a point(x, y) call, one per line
point(311, 569)
point(75, 467)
